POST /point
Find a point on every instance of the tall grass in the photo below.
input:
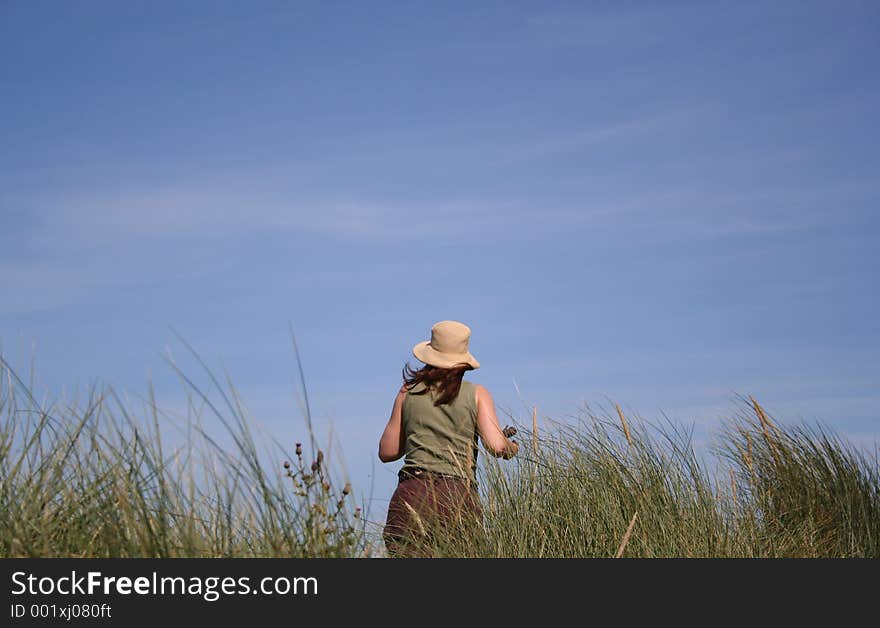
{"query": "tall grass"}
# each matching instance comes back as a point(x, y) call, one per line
point(95, 478)
point(91, 479)
point(609, 486)
point(807, 491)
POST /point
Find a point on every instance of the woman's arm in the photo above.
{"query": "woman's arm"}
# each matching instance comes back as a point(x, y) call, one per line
point(489, 429)
point(391, 445)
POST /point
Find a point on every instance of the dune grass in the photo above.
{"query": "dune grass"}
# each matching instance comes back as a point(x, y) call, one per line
point(609, 486)
point(91, 479)
point(94, 478)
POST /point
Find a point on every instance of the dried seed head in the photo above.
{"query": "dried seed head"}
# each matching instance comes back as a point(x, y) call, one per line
point(286, 464)
point(347, 488)
point(320, 456)
point(326, 486)
point(315, 466)
point(299, 449)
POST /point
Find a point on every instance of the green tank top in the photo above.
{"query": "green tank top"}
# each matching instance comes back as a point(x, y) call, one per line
point(442, 439)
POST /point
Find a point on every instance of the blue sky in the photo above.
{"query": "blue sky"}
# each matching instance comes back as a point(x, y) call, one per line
point(663, 204)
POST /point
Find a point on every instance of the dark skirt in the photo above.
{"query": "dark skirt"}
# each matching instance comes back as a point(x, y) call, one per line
point(425, 509)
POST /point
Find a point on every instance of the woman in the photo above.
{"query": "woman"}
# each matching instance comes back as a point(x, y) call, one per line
point(435, 422)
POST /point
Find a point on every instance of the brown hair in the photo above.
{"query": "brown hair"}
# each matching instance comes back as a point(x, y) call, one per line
point(447, 382)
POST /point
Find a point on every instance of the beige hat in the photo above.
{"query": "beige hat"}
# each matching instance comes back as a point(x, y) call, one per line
point(448, 346)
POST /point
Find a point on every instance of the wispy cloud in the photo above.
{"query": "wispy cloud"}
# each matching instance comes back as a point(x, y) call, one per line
point(217, 209)
point(211, 209)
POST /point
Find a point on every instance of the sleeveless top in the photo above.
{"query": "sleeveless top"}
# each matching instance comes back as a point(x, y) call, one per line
point(441, 439)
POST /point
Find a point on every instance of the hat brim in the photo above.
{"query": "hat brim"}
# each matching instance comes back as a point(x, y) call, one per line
point(429, 355)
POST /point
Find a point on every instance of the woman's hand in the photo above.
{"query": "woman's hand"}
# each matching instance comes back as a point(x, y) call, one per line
point(509, 451)
point(493, 437)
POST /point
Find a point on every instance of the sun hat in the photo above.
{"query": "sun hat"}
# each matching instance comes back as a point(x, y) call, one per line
point(448, 346)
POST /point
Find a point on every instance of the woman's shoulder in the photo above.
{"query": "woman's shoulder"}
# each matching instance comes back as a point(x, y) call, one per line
point(475, 386)
point(481, 394)
point(473, 391)
point(468, 385)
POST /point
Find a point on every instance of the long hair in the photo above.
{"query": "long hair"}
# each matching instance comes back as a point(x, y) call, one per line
point(447, 382)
